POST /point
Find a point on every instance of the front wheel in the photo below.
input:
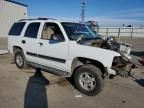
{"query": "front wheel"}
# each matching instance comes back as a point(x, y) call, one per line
point(20, 60)
point(88, 80)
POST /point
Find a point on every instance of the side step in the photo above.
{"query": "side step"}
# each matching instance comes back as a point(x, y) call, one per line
point(48, 69)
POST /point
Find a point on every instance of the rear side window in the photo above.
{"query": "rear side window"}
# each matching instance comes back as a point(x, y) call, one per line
point(32, 30)
point(17, 28)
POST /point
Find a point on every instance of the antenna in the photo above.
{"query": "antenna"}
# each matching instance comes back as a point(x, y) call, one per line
point(83, 2)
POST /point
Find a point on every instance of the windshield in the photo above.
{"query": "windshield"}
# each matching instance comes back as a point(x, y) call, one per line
point(77, 31)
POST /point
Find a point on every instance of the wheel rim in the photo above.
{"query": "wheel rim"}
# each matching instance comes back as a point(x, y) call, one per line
point(87, 81)
point(19, 60)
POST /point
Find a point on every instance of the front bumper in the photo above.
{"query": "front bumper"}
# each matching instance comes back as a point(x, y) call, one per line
point(123, 66)
point(110, 71)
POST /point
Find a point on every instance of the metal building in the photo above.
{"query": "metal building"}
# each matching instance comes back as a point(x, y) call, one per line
point(10, 11)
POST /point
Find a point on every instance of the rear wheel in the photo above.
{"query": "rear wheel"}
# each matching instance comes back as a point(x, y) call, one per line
point(88, 79)
point(20, 60)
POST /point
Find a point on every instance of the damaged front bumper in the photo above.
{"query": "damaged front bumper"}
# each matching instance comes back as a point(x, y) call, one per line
point(123, 66)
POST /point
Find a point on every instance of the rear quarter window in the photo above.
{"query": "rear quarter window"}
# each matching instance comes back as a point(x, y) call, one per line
point(17, 28)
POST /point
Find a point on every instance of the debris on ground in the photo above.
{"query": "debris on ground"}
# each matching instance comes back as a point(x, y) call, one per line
point(78, 94)
point(142, 60)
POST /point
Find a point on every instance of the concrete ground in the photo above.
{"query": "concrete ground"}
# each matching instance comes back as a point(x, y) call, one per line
point(138, 43)
point(28, 89)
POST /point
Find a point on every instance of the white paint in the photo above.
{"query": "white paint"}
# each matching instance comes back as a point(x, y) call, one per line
point(67, 50)
point(102, 55)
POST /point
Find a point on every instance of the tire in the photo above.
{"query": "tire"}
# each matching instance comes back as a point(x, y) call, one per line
point(88, 80)
point(20, 60)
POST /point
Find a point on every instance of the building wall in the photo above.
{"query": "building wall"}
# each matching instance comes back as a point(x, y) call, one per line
point(9, 13)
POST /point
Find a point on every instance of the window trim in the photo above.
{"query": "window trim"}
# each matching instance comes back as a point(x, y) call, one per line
point(24, 24)
point(37, 31)
point(44, 27)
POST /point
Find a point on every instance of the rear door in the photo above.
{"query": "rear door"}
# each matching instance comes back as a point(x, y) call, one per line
point(30, 41)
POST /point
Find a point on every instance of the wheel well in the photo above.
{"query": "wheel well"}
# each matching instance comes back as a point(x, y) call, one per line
point(80, 61)
point(15, 48)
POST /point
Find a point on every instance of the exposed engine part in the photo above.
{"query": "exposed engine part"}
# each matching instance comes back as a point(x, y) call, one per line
point(97, 43)
point(107, 43)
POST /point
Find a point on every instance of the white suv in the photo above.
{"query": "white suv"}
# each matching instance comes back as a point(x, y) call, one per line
point(64, 48)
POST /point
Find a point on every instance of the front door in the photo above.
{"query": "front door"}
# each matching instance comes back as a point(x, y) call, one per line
point(53, 47)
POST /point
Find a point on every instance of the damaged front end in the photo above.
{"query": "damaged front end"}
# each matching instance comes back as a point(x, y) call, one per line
point(123, 64)
point(84, 34)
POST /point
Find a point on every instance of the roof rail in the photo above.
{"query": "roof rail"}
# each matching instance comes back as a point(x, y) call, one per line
point(37, 19)
point(26, 19)
point(46, 19)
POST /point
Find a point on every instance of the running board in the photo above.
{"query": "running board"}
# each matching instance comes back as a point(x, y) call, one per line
point(48, 69)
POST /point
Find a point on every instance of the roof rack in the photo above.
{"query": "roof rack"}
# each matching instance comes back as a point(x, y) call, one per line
point(46, 19)
point(37, 19)
point(26, 19)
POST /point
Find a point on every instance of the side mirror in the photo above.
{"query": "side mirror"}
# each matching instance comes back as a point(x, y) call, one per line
point(58, 38)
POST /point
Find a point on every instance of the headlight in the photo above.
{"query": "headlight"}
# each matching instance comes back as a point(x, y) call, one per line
point(116, 60)
point(110, 38)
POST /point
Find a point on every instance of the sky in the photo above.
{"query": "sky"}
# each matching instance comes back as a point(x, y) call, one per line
point(105, 12)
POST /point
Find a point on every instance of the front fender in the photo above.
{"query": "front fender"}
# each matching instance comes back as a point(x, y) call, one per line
point(102, 55)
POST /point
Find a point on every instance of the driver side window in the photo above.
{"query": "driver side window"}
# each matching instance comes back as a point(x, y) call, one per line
point(50, 30)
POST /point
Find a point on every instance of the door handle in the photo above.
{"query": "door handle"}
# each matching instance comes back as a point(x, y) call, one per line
point(23, 41)
point(40, 44)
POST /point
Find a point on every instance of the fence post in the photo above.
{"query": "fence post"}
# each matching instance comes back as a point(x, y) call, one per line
point(107, 32)
point(118, 34)
point(97, 30)
point(131, 32)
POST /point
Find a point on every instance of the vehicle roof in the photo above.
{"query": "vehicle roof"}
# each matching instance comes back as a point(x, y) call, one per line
point(46, 20)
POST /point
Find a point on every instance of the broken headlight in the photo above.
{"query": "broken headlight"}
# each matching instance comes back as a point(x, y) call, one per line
point(116, 60)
